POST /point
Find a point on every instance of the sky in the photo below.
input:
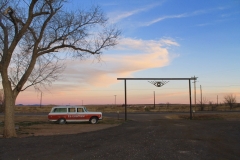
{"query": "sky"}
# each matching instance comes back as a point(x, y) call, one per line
point(160, 39)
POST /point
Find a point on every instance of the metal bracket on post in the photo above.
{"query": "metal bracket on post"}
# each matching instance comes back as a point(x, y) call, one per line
point(158, 83)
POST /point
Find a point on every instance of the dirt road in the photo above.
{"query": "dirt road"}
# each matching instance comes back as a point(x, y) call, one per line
point(150, 139)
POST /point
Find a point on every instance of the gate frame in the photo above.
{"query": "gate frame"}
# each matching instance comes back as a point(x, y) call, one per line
point(125, 89)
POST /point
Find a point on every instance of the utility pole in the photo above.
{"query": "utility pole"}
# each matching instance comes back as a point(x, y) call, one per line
point(41, 100)
point(195, 93)
point(201, 96)
point(154, 98)
point(115, 99)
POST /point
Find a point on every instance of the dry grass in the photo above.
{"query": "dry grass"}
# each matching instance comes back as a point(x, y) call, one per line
point(132, 108)
point(33, 109)
point(217, 116)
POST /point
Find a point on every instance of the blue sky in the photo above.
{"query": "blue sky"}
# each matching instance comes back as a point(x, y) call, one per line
point(160, 39)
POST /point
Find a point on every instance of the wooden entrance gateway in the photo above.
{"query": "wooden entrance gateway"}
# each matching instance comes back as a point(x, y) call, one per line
point(162, 79)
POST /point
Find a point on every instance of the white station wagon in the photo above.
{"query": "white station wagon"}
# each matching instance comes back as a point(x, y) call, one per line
point(63, 114)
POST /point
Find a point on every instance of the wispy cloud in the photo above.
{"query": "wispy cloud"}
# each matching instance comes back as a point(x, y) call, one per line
point(204, 24)
point(183, 15)
point(163, 18)
point(118, 16)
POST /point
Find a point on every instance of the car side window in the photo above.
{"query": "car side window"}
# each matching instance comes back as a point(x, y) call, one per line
point(79, 110)
point(71, 109)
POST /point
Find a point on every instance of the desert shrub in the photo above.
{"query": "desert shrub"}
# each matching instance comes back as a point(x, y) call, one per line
point(147, 109)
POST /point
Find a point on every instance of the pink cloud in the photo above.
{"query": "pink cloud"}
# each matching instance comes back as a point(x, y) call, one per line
point(82, 76)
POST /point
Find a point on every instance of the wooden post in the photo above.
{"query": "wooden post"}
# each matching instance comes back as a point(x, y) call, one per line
point(190, 97)
point(125, 86)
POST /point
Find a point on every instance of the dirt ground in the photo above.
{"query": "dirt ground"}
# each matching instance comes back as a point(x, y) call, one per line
point(40, 126)
point(56, 129)
point(147, 136)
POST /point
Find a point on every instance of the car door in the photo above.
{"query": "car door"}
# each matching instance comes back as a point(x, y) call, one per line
point(81, 114)
point(72, 114)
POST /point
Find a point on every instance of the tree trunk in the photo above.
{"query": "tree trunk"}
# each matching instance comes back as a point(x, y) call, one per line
point(9, 104)
point(9, 121)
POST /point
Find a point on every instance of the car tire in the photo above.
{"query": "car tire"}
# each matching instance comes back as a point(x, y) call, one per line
point(62, 121)
point(93, 120)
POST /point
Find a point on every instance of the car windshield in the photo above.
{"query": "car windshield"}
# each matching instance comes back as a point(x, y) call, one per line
point(85, 109)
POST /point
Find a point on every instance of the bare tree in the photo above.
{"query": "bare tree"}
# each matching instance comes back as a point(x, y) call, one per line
point(203, 103)
point(34, 36)
point(167, 105)
point(230, 100)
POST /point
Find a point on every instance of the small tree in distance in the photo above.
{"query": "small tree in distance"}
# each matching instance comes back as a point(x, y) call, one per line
point(230, 100)
point(210, 104)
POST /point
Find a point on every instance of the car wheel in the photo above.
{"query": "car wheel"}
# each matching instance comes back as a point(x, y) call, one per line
point(61, 121)
point(94, 120)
